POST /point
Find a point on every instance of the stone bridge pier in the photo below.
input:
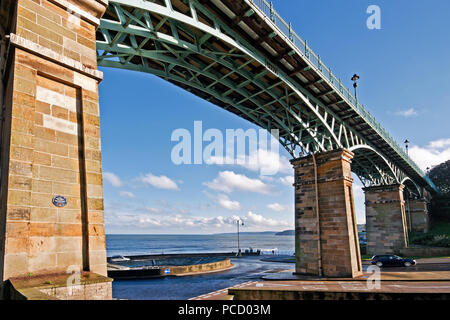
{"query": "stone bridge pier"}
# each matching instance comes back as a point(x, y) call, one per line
point(50, 146)
point(392, 211)
point(325, 223)
point(417, 214)
point(386, 224)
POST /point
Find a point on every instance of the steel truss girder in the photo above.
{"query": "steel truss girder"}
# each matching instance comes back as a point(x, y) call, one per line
point(372, 161)
point(321, 131)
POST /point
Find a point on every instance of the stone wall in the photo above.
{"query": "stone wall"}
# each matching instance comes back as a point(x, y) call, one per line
point(325, 224)
point(75, 286)
point(96, 291)
point(196, 269)
point(424, 252)
point(51, 142)
point(386, 225)
point(293, 294)
point(417, 215)
point(201, 268)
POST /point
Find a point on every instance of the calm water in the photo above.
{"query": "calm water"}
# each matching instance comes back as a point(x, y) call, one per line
point(157, 244)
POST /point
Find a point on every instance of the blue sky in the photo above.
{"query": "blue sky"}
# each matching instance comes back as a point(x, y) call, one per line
point(405, 80)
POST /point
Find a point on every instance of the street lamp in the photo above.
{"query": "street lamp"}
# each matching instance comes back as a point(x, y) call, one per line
point(355, 79)
point(407, 146)
point(239, 222)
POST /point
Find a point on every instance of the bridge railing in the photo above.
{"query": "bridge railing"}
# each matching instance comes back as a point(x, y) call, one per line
point(286, 28)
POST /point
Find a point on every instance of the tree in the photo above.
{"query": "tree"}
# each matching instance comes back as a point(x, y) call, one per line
point(440, 175)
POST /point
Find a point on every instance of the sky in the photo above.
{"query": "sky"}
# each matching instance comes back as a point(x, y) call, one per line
point(405, 83)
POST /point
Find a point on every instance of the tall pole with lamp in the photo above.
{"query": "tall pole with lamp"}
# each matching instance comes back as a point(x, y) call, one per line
point(407, 146)
point(239, 222)
point(409, 209)
point(355, 79)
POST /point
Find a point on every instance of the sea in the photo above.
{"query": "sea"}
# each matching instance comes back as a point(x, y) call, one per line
point(267, 242)
point(246, 268)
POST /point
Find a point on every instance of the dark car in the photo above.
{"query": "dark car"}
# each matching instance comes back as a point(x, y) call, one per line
point(392, 261)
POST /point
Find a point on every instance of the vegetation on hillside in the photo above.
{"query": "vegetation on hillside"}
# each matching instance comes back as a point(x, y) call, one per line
point(440, 175)
point(440, 204)
point(438, 236)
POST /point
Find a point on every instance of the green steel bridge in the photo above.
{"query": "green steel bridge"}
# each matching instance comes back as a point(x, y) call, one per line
point(243, 57)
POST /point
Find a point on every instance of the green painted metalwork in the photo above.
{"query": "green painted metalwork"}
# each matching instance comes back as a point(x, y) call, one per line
point(198, 51)
point(282, 25)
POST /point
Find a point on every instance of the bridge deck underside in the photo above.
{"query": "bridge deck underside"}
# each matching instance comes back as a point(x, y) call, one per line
point(225, 52)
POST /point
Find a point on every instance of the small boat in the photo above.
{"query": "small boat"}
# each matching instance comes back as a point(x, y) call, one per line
point(119, 259)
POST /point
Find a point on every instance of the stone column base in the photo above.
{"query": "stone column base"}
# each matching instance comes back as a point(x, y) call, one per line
point(87, 286)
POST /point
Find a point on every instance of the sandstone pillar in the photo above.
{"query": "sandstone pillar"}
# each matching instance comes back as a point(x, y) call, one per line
point(51, 141)
point(386, 225)
point(417, 215)
point(325, 222)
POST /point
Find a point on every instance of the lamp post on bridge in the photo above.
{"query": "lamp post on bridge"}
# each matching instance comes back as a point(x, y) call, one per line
point(239, 222)
point(355, 79)
point(407, 146)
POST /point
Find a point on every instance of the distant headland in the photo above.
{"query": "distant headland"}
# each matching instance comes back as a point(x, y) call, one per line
point(286, 233)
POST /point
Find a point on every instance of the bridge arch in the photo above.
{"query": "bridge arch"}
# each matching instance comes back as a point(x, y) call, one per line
point(412, 188)
point(371, 167)
point(308, 127)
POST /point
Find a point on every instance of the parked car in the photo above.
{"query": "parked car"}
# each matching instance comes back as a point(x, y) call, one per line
point(391, 261)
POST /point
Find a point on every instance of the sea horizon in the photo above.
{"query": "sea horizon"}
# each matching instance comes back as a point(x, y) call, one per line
point(194, 234)
point(147, 244)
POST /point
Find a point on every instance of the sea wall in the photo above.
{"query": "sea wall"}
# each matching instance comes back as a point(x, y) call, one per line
point(162, 271)
point(201, 268)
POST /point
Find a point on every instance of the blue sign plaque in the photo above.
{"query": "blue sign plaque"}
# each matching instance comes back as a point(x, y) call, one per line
point(59, 201)
point(167, 271)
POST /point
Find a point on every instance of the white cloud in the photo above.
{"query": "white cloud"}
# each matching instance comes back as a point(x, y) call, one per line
point(122, 220)
point(228, 181)
point(113, 179)
point(267, 178)
point(127, 194)
point(438, 144)
point(258, 220)
point(153, 210)
point(159, 182)
point(265, 161)
point(407, 113)
point(288, 180)
point(277, 207)
point(225, 202)
point(436, 152)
